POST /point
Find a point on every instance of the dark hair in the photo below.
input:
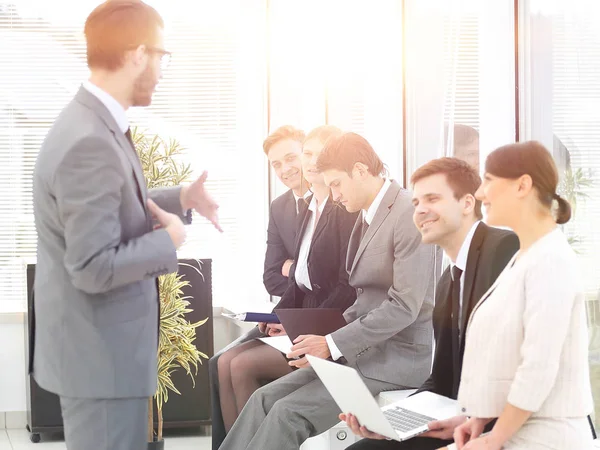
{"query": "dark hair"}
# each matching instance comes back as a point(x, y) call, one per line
point(323, 133)
point(342, 152)
point(462, 178)
point(530, 158)
point(117, 26)
point(281, 133)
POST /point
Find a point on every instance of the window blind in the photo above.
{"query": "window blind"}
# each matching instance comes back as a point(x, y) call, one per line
point(211, 99)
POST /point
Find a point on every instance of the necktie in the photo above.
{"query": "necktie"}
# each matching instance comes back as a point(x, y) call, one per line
point(299, 203)
point(365, 228)
point(129, 138)
point(455, 298)
point(456, 274)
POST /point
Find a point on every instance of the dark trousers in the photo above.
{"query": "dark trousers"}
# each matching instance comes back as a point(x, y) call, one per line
point(218, 427)
point(412, 444)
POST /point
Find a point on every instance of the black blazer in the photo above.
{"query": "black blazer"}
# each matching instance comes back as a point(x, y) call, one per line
point(281, 238)
point(491, 250)
point(326, 262)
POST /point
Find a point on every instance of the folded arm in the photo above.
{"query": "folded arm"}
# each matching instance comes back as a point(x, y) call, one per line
point(275, 282)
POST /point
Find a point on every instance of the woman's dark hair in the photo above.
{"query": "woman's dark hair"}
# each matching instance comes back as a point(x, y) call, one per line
point(530, 158)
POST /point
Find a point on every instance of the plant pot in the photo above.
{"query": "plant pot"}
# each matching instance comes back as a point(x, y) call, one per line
point(156, 445)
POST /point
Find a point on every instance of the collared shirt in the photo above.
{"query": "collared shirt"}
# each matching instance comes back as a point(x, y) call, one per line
point(301, 274)
point(307, 194)
point(113, 106)
point(461, 263)
point(368, 217)
point(369, 214)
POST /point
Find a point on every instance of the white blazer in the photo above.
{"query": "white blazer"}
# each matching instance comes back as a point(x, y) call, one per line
point(527, 339)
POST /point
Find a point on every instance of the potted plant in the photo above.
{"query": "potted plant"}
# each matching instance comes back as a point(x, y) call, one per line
point(572, 187)
point(176, 347)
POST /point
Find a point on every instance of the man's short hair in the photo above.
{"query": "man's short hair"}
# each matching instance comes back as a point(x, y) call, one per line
point(460, 176)
point(117, 26)
point(344, 151)
point(281, 133)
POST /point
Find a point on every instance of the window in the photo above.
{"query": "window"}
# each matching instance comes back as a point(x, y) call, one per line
point(338, 62)
point(459, 79)
point(211, 99)
point(560, 106)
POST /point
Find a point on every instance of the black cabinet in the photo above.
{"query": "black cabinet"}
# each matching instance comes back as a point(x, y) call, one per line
point(190, 409)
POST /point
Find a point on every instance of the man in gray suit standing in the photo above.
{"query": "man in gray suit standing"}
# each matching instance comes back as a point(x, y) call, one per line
point(389, 333)
point(99, 253)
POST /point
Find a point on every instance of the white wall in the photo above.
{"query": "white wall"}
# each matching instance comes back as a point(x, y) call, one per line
point(12, 363)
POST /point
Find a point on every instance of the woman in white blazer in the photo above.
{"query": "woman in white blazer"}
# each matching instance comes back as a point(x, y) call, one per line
point(526, 358)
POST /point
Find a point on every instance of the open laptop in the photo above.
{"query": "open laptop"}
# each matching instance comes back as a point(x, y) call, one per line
point(399, 421)
point(319, 321)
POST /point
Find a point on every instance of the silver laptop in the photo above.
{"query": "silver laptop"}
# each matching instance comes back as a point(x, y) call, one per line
point(399, 421)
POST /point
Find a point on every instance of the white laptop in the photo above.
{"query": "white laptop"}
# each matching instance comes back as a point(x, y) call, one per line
point(399, 421)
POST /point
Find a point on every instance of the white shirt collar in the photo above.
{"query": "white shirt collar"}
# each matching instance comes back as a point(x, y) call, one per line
point(463, 253)
point(370, 213)
point(313, 204)
point(307, 194)
point(113, 106)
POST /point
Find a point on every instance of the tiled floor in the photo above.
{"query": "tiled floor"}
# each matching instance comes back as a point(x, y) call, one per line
point(19, 440)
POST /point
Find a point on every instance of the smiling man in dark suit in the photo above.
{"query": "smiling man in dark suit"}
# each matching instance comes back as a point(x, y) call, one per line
point(283, 148)
point(447, 214)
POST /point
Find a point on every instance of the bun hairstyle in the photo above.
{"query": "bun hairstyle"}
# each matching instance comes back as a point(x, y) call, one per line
point(530, 158)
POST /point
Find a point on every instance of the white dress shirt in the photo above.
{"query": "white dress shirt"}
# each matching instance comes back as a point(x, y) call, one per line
point(368, 217)
point(113, 106)
point(461, 263)
point(301, 273)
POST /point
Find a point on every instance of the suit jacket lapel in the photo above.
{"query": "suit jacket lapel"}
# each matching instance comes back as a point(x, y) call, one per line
point(290, 214)
point(492, 288)
point(354, 243)
point(300, 234)
point(97, 106)
point(382, 212)
point(322, 224)
point(471, 273)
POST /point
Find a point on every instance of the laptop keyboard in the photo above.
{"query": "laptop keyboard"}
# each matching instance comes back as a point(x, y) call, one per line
point(404, 420)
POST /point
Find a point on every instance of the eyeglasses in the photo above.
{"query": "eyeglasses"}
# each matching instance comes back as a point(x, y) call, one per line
point(165, 56)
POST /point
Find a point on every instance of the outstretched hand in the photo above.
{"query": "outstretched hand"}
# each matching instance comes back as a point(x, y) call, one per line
point(195, 196)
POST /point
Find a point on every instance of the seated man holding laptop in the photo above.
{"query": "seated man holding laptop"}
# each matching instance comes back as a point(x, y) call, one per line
point(388, 336)
point(447, 214)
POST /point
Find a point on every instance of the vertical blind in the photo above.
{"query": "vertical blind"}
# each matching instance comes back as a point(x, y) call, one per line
point(443, 70)
point(210, 99)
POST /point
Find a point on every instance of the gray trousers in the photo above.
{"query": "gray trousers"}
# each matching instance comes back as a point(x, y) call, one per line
point(218, 427)
point(111, 424)
point(285, 413)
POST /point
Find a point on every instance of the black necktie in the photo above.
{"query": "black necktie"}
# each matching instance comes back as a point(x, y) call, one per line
point(455, 298)
point(300, 204)
point(456, 274)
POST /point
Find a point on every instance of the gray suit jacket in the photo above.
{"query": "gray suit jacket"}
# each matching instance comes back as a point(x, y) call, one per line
point(389, 333)
point(96, 302)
